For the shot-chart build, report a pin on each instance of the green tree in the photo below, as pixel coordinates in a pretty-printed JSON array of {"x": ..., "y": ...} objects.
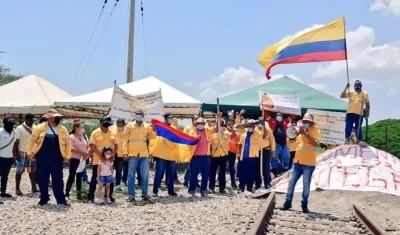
[
  {"x": 377, "y": 136},
  {"x": 6, "y": 76}
]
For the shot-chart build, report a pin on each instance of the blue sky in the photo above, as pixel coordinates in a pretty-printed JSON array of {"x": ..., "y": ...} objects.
[{"x": 204, "y": 48}]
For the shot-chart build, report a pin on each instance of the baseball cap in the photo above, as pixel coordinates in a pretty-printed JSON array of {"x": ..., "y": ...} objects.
[
  {"x": 168, "y": 115},
  {"x": 105, "y": 119}
]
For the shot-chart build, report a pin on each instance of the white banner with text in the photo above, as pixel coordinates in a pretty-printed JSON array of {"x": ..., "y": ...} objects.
[{"x": 288, "y": 104}]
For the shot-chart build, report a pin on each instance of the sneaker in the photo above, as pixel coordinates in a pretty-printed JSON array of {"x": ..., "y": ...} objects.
[
  {"x": 172, "y": 194},
  {"x": 131, "y": 199},
  {"x": 286, "y": 206},
  {"x": 90, "y": 201},
  {"x": 42, "y": 203},
  {"x": 18, "y": 192},
  {"x": 155, "y": 195},
  {"x": 67, "y": 198},
  {"x": 66, "y": 204},
  {"x": 146, "y": 198},
  {"x": 35, "y": 191},
  {"x": 5, "y": 195},
  {"x": 222, "y": 191},
  {"x": 108, "y": 201},
  {"x": 112, "y": 199},
  {"x": 234, "y": 185},
  {"x": 101, "y": 201},
  {"x": 191, "y": 194},
  {"x": 203, "y": 194},
  {"x": 304, "y": 208}
]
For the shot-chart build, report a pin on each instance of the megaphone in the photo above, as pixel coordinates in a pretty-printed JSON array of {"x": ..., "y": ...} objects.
[{"x": 292, "y": 132}]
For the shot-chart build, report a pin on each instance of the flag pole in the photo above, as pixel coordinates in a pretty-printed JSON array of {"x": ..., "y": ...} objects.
[
  {"x": 218, "y": 123},
  {"x": 347, "y": 62}
]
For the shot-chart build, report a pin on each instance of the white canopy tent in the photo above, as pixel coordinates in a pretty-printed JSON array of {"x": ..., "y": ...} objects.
[
  {"x": 175, "y": 101},
  {"x": 31, "y": 94}
]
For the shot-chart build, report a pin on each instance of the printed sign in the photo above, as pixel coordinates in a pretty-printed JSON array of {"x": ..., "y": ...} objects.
[
  {"x": 331, "y": 125},
  {"x": 124, "y": 105},
  {"x": 351, "y": 167},
  {"x": 289, "y": 104}
]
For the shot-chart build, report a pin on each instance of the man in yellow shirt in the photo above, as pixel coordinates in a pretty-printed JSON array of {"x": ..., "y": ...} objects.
[
  {"x": 121, "y": 165},
  {"x": 354, "y": 115},
  {"x": 249, "y": 148},
  {"x": 163, "y": 165},
  {"x": 304, "y": 162},
  {"x": 99, "y": 139},
  {"x": 186, "y": 130},
  {"x": 50, "y": 146},
  {"x": 268, "y": 146},
  {"x": 137, "y": 135}
]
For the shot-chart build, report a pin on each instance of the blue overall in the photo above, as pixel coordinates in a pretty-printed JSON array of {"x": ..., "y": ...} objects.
[{"x": 50, "y": 162}]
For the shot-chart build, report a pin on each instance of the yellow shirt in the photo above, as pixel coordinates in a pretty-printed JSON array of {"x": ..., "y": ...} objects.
[
  {"x": 220, "y": 149},
  {"x": 268, "y": 141},
  {"x": 292, "y": 145},
  {"x": 136, "y": 139},
  {"x": 119, "y": 135},
  {"x": 209, "y": 133},
  {"x": 188, "y": 128},
  {"x": 356, "y": 101},
  {"x": 35, "y": 141},
  {"x": 101, "y": 140},
  {"x": 306, "y": 153},
  {"x": 255, "y": 146}
]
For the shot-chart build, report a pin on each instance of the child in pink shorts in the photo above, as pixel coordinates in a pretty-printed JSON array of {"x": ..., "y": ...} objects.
[{"x": 105, "y": 174}]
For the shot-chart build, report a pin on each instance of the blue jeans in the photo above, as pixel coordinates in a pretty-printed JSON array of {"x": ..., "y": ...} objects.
[
  {"x": 162, "y": 166},
  {"x": 199, "y": 164},
  {"x": 187, "y": 174},
  {"x": 144, "y": 167},
  {"x": 85, "y": 177},
  {"x": 283, "y": 151},
  {"x": 352, "y": 120},
  {"x": 298, "y": 171}
]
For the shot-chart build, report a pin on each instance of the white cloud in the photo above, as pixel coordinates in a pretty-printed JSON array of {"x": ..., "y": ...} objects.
[
  {"x": 187, "y": 84},
  {"x": 386, "y": 6},
  {"x": 319, "y": 86},
  {"x": 235, "y": 79},
  {"x": 393, "y": 91},
  {"x": 363, "y": 56}
]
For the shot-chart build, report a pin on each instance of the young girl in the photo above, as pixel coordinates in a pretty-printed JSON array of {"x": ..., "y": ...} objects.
[{"x": 105, "y": 174}]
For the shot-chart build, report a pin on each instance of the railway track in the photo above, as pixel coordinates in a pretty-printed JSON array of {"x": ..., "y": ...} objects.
[{"x": 275, "y": 221}]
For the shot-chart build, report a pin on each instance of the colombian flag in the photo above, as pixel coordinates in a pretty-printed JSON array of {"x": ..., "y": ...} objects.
[
  {"x": 327, "y": 43},
  {"x": 171, "y": 144}
]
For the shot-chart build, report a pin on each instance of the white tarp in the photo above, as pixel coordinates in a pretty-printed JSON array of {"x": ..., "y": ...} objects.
[
  {"x": 289, "y": 104},
  {"x": 350, "y": 167},
  {"x": 175, "y": 101},
  {"x": 331, "y": 125},
  {"x": 29, "y": 94},
  {"x": 124, "y": 105}
]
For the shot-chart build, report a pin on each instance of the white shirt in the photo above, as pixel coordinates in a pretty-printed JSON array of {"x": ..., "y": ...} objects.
[
  {"x": 22, "y": 135},
  {"x": 6, "y": 138}
]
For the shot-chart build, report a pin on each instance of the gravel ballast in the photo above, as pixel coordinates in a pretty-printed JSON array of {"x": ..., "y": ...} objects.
[
  {"x": 233, "y": 213},
  {"x": 214, "y": 214}
]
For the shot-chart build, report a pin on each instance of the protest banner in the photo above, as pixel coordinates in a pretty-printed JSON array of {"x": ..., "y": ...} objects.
[
  {"x": 288, "y": 104},
  {"x": 331, "y": 125},
  {"x": 350, "y": 167},
  {"x": 124, "y": 105}
]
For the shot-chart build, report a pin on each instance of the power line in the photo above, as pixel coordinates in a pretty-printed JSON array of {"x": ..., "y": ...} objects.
[
  {"x": 97, "y": 43},
  {"x": 87, "y": 45},
  {"x": 144, "y": 37}
]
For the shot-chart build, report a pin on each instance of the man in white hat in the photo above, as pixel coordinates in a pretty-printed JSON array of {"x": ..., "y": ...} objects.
[
  {"x": 50, "y": 145},
  {"x": 304, "y": 162}
]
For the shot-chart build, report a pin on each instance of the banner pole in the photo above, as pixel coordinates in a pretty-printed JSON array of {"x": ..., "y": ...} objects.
[
  {"x": 347, "y": 62},
  {"x": 261, "y": 147},
  {"x": 218, "y": 123}
]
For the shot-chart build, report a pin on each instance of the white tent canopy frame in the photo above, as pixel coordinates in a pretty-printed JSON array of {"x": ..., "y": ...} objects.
[
  {"x": 175, "y": 101},
  {"x": 30, "y": 94}
]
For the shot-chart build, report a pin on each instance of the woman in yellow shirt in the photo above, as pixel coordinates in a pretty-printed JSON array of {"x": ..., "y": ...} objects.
[{"x": 304, "y": 161}]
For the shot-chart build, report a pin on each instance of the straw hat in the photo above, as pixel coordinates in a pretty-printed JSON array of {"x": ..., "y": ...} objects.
[
  {"x": 308, "y": 117},
  {"x": 52, "y": 113}
]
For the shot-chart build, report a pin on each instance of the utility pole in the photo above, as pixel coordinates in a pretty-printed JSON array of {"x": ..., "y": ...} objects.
[{"x": 129, "y": 69}]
